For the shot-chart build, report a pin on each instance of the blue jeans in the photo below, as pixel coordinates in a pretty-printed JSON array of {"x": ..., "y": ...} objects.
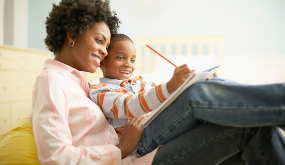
[
  {"x": 211, "y": 144},
  {"x": 220, "y": 102}
]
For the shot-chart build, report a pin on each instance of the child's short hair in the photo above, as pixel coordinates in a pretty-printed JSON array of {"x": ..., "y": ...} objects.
[{"x": 118, "y": 37}]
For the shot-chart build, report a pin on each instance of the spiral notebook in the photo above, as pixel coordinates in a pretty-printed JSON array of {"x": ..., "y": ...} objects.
[{"x": 194, "y": 77}]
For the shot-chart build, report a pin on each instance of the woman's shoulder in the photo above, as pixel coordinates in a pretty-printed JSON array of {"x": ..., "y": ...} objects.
[{"x": 49, "y": 76}]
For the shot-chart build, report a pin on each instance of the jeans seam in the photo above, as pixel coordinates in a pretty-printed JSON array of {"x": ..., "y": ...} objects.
[
  {"x": 261, "y": 153},
  {"x": 199, "y": 146},
  {"x": 234, "y": 107}
]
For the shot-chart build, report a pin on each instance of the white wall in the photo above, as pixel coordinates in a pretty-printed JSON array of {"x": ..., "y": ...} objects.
[
  {"x": 252, "y": 70},
  {"x": 38, "y": 11},
  {"x": 21, "y": 23},
  {"x": 1, "y": 21},
  {"x": 251, "y": 27},
  {"x": 15, "y": 27},
  {"x": 8, "y": 22}
]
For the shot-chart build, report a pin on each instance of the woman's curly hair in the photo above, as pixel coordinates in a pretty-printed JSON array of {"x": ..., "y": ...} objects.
[{"x": 77, "y": 16}]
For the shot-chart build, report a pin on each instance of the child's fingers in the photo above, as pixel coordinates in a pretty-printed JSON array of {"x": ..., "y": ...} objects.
[
  {"x": 209, "y": 78},
  {"x": 186, "y": 72},
  {"x": 212, "y": 76},
  {"x": 184, "y": 66},
  {"x": 183, "y": 69}
]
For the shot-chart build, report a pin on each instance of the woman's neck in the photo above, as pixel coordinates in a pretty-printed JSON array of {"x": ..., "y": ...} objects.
[{"x": 64, "y": 55}]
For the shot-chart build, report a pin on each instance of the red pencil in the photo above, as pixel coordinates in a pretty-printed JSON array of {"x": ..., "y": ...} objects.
[{"x": 161, "y": 55}]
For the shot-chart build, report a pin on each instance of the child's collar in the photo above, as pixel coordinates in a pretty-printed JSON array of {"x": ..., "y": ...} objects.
[{"x": 121, "y": 83}]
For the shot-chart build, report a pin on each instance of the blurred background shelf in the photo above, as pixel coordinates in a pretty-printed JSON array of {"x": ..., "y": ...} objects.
[{"x": 18, "y": 71}]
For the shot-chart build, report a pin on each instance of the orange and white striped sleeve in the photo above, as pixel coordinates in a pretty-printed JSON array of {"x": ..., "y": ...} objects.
[{"x": 119, "y": 103}]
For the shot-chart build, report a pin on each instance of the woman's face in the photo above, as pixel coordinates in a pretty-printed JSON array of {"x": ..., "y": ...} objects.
[{"x": 89, "y": 49}]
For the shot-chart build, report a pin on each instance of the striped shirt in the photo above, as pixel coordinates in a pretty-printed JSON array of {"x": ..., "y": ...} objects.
[
  {"x": 124, "y": 99},
  {"x": 68, "y": 127}
]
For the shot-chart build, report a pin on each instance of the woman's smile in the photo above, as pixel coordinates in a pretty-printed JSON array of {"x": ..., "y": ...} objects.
[{"x": 96, "y": 58}]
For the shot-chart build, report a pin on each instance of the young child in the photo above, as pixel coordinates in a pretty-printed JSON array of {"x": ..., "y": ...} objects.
[
  {"x": 217, "y": 101},
  {"x": 121, "y": 97}
]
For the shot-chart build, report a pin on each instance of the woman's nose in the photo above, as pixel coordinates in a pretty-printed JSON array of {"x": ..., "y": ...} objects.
[{"x": 104, "y": 51}]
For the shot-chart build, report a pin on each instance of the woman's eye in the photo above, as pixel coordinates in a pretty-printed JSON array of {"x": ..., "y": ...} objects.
[
  {"x": 99, "y": 41},
  {"x": 133, "y": 60}
]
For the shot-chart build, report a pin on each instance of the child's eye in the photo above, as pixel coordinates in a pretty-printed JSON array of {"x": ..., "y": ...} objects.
[
  {"x": 120, "y": 57},
  {"x": 133, "y": 60}
]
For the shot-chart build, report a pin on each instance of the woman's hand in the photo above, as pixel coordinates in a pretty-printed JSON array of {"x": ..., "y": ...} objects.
[
  {"x": 131, "y": 135},
  {"x": 180, "y": 74},
  {"x": 214, "y": 75}
]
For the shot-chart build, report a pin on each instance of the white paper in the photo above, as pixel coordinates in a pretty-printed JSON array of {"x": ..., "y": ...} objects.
[{"x": 197, "y": 76}]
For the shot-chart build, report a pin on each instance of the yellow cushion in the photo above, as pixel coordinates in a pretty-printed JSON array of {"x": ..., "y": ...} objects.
[{"x": 18, "y": 146}]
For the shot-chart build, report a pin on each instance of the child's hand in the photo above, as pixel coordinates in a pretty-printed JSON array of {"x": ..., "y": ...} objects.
[
  {"x": 180, "y": 74},
  {"x": 131, "y": 135},
  {"x": 214, "y": 75}
]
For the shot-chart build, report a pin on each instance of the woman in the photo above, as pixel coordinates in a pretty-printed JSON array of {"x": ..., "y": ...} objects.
[{"x": 70, "y": 129}]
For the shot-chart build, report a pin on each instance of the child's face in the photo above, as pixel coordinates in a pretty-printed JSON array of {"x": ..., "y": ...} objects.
[{"x": 120, "y": 62}]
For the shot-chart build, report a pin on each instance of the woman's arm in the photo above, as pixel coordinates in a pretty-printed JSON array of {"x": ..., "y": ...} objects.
[
  {"x": 53, "y": 134},
  {"x": 131, "y": 135}
]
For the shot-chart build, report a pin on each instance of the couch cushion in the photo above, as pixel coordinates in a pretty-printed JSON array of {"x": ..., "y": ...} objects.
[{"x": 18, "y": 145}]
